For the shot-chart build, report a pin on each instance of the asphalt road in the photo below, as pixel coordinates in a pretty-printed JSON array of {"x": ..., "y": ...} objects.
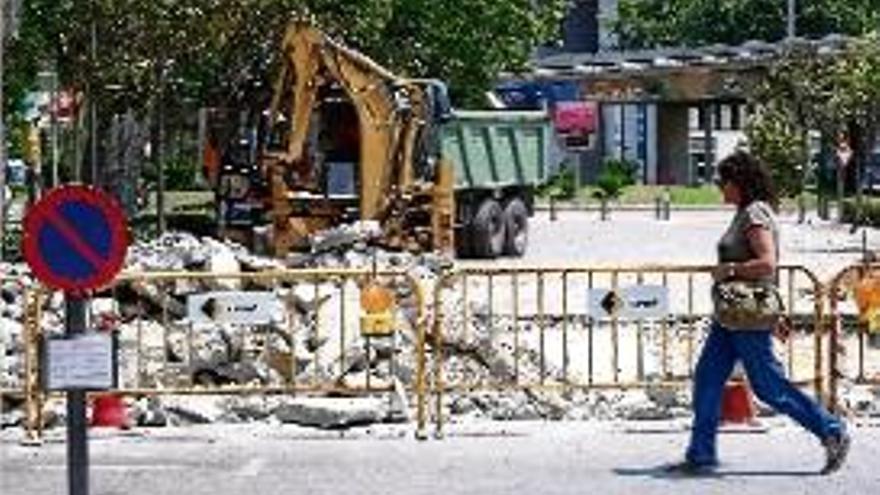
[
  {"x": 635, "y": 237},
  {"x": 489, "y": 458}
]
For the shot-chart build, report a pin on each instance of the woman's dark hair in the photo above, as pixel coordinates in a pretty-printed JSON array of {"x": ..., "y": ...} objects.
[{"x": 750, "y": 176}]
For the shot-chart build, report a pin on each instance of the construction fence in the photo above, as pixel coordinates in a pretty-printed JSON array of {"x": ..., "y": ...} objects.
[
  {"x": 554, "y": 330},
  {"x": 543, "y": 330},
  {"x": 293, "y": 333}
]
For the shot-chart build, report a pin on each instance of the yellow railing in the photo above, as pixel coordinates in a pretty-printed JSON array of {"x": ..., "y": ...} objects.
[
  {"x": 853, "y": 299},
  {"x": 540, "y": 318},
  {"x": 25, "y": 387},
  {"x": 308, "y": 349},
  {"x": 534, "y": 328}
]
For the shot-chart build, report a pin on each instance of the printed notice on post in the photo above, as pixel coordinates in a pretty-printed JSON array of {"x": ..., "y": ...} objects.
[{"x": 80, "y": 362}]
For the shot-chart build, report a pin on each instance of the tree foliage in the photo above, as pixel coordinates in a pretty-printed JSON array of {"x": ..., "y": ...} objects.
[
  {"x": 651, "y": 23},
  {"x": 221, "y": 52},
  {"x": 838, "y": 95}
]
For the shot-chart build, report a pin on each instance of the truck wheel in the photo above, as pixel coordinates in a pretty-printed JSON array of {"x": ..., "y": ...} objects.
[
  {"x": 488, "y": 230},
  {"x": 463, "y": 243},
  {"x": 516, "y": 223}
]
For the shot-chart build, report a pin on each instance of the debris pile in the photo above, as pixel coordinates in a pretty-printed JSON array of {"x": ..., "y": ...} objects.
[{"x": 312, "y": 340}]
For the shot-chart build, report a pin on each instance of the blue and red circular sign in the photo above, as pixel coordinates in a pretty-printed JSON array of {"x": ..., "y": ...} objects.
[{"x": 75, "y": 238}]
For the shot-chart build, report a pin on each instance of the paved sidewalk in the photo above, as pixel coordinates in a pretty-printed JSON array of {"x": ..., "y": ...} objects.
[{"x": 480, "y": 458}]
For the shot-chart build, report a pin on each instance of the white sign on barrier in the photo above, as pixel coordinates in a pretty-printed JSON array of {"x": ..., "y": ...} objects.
[
  {"x": 635, "y": 302},
  {"x": 80, "y": 362},
  {"x": 234, "y": 307}
]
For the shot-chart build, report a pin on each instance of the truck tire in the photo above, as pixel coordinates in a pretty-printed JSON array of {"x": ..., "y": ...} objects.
[
  {"x": 487, "y": 230},
  {"x": 516, "y": 227}
]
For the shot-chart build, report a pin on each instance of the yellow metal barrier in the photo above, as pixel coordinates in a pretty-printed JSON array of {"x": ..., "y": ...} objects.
[
  {"x": 537, "y": 318},
  {"x": 538, "y": 327},
  {"x": 854, "y": 300},
  {"x": 22, "y": 384},
  {"x": 309, "y": 347}
]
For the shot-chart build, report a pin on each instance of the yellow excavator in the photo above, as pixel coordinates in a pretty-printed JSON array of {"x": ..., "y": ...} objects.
[{"x": 346, "y": 140}]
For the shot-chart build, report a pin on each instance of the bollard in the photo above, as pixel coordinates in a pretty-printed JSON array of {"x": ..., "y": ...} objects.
[
  {"x": 802, "y": 208},
  {"x": 552, "y": 208},
  {"x": 667, "y": 205},
  {"x": 662, "y": 205}
]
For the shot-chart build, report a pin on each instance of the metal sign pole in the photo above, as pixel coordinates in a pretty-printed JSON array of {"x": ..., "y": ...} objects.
[{"x": 77, "y": 435}]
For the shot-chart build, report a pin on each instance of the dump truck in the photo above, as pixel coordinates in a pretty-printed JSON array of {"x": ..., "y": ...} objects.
[{"x": 345, "y": 140}]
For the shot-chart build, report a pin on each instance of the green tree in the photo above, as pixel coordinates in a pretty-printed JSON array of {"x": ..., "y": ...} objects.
[
  {"x": 616, "y": 174},
  {"x": 651, "y": 23},
  {"x": 220, "y": 52},
  {"x": 836, "y": 95}
]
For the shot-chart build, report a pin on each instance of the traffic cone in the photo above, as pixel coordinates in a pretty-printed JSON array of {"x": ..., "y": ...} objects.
[
  {"x": 737, "y": 405},
  {"x": 109, "y": 410}
]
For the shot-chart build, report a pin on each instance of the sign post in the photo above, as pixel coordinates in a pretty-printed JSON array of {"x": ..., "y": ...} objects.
[
  {"x": 75, "y": 240},
  {"x": 77, "y": 436}
]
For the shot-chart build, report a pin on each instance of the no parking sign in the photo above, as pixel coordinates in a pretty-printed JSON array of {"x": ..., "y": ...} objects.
[{"x": 75, "y": 238}]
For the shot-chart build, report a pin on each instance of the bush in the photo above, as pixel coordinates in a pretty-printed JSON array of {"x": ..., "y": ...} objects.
[
  {"x": 563, "y": 185},
  {"x": 870, "y": 211},
  {"x": 616, "y": 174}
]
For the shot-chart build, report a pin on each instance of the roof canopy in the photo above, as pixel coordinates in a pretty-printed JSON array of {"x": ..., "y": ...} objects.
[{"x": 674, "y": 74}]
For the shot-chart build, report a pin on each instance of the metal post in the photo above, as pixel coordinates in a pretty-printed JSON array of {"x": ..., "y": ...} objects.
[
  {"x": 667, "y": 202},
  {"x": 3, "y": 198},
  {"x": 54, "y": 129},
  {"x": 77, "y": 435},
  {"x": 791, "y": 29},
  {"x": 160, "y": 152},
  {"x": 825, "y": 157},
  {"x": 841, "y": 187},
  {"x": 708, "y": 109},
  {"x": 93, "y": 114},
  {"x": 622, "y": 131},
  {"x": 200, "y": 176}
]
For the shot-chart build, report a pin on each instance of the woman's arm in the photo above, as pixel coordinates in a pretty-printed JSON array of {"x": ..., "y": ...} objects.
[{"x": 761, "y": 266}]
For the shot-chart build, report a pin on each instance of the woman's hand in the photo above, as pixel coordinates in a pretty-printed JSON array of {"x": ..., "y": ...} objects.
[{"x": 724, "y": 271}]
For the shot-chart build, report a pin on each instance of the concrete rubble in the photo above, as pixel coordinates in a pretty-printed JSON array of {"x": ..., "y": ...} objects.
[{"x": 310, "y": 340}]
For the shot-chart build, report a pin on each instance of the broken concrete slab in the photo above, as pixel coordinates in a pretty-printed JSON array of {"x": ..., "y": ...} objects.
[{"x": 333, "y": 413}]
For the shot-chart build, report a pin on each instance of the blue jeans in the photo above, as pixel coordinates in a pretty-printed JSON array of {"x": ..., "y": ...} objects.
[{"x": 766, "y": 377}]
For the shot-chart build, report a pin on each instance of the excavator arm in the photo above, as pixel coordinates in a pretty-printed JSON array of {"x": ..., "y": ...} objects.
[{"x": 391, "y": 114}]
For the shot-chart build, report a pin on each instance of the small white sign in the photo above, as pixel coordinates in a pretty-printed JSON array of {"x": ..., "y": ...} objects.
[
  {"x": 635, "y": 302},
  {"x": 80, "y": 362},
  {"x": 234, "y": 307}
]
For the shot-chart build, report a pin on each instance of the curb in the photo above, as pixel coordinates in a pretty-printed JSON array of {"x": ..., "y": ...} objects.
[{"x": 634, "y": 207}]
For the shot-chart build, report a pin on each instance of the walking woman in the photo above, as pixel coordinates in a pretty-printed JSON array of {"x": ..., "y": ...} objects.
[{"x": 748, "y": 252}]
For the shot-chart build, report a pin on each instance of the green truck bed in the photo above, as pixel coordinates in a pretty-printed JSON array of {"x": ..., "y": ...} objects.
[{"x": 501, "y": 148}]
